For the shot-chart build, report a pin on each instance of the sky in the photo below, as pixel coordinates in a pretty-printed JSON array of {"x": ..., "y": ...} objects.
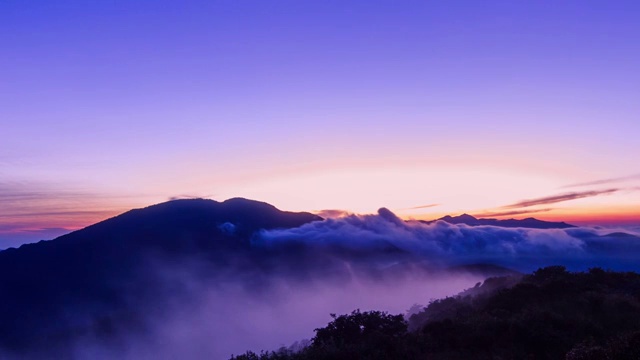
[{"x": 493, "y": 108}]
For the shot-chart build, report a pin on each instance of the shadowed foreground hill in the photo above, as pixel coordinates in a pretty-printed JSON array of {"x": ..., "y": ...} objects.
[
  {"x": 551, "y": 314},
  {"x": 54, "y": 291}
]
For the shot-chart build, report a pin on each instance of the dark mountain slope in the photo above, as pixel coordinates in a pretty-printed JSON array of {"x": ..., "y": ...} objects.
[
  {"x": 50, "y": 287},
  {"x": 183, "y": 222}
]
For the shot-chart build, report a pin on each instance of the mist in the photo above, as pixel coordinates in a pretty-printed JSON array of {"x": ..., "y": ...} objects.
[{"x": 224, "y": 315}]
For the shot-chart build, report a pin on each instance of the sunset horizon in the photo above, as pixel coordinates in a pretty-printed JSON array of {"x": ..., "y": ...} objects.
[
  {"x": 319, "y": 106},
  {"x": 308, "y": 180},
  {"x": 63, "y": 222}
]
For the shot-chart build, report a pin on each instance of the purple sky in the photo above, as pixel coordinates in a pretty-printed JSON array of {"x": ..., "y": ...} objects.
[{"x": 313, "y": 105}]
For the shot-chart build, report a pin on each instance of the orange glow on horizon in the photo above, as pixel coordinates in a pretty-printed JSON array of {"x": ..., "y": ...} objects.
[
  {"x": 596, "y": 216},
  {"x": 612, "y": 215}
]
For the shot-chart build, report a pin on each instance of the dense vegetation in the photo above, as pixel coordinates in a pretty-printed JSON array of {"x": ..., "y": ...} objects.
[{"x": 550, "y": 314}]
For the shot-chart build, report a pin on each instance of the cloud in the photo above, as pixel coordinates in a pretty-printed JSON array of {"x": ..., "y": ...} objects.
[
  {"x": 443, "y": 244},
  {"x": 15, "y": 193},
  {"x": 187, "y": 196},
  {"x": 30, "y": 206},
  {"x": 605, "y": 181},
  {"x": 510, "y": 213},
  {"x": 422, "y": 207},
  {"x": 559, "y": 198},
  {"x": 22, "y": 227},
  {"x": 24, "y": 193},
  {"x": 64, "y": 213},
  {"x": 332, "y": 213}
]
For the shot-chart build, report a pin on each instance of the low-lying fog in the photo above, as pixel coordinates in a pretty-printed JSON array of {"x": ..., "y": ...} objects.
[{"x": 224, "y": 319}]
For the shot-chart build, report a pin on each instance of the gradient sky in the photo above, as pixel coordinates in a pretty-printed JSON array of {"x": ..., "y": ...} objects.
[{"x": 425, "y": 107}]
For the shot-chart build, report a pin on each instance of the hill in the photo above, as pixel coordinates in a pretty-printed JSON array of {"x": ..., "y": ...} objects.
[{"x": 550, "y": 314}]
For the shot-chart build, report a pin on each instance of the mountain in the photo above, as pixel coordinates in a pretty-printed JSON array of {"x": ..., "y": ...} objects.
[
  {"x": 52, "y": 290},
  {"x": 509, "y": 223}
]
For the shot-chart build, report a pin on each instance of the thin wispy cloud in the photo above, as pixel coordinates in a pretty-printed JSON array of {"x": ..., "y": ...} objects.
[
  {"x": 34, "y": 206},
  {"x": 559, "y": 198},
  {"x": 26, "y": 227},
  {"x": 62, "y": 213},
  {"x": 605, "y": 181},
  {"x": 510, "y": 213},
  {"x": 190, "y": 196},
  {"x": 20, "y": 193},
  {"x": 421, "y": 207}
]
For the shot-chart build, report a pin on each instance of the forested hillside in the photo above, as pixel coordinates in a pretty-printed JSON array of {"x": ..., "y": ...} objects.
[{"x": 550, "y": 314}]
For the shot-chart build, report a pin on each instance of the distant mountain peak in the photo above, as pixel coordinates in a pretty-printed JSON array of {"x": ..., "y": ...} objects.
[
  {"x": 511, "y": 223},
  {"x": 466, "y": 216},
  {"x": 461, "y": 219}
]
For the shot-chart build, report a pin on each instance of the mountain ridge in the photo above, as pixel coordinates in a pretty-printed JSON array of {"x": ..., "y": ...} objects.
[{"x": 529, "y": 222}]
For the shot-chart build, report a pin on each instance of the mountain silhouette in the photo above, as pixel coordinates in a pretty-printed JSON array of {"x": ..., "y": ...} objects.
[
  {"x": 97, "y": 270},
  {"x": 509, "y": 223}
]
